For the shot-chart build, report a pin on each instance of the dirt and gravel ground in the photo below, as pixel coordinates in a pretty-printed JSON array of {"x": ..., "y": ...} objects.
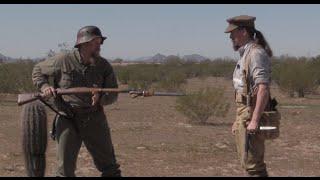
[{"x": 152, "y": 139}]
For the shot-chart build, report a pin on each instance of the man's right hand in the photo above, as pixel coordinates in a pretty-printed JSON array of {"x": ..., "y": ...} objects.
[{"x": 49, "y": 92}]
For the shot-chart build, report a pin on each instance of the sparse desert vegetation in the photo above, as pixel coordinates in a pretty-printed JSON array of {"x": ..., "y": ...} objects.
[{"x": 152, "y": 138}]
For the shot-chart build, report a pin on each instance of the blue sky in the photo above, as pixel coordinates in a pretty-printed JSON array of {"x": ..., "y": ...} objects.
[{"x": 138, "y": 30}]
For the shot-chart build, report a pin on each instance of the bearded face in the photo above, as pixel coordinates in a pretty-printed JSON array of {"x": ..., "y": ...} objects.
[
  {"x": 96, "y": 53},
  {"x": 235, "y": 46},
  {"x": 91, "y": 50},
  {"x": 94, "y": 47},
  {"x": 238, "y": 38}
]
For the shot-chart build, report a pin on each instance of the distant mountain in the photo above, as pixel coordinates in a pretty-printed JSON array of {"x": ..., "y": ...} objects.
[
  {"x": 143, "y": 58},
  {"x": 38, "y": 58},
  {"x": 159, "y": 58},
  {"x": 194, "y": 57},
  {"x": 5, "y": 58},
  {"x": 156, "y": 58}
]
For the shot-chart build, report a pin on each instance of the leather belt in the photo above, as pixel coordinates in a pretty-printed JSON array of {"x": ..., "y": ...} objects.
[
  {"x": 241, "y": 98},
  {"x": 85, "y": 110}
]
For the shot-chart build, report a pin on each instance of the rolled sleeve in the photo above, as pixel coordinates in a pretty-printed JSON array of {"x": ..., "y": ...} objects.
[
  {"x": 42, "y": 71},
  {"x": 260, "y": 67}
]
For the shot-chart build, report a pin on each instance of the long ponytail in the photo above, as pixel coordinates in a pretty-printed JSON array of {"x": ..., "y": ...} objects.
[{"x": 259, "y": 39}]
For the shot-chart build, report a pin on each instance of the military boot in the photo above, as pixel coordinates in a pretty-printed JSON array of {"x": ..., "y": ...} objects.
[
  {"x": 113, "y": 171},
  {"x": 258, "y": 174}
]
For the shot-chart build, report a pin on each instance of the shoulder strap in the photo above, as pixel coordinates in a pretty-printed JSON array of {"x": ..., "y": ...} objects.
[{"x": 246, "y": 72}]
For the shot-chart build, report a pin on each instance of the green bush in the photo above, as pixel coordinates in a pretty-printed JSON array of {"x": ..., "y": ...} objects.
[
  {"x": 16, "y": 77},
  {"x": 142, "y": 76},
  {"x": 222, "y": 68},
  {"x": 314, "y": 67},
  {"x": 295, "y": 75},
  {"x": 203, "y": 104},
  {"x": 172, "y": 74},
  {"x": 172, "y": 81},
  {"x": 123, "y": 74}
]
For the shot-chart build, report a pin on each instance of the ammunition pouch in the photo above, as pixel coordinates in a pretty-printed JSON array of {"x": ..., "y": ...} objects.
[
  {"x": 64, "y": 108},
  {"x": 271, "y": 117}
]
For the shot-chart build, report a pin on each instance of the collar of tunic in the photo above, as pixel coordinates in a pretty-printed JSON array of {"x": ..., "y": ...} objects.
[{"x": 79, "y": 59}]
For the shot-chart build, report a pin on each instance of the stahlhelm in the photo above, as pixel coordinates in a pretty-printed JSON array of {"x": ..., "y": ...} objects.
[{"x": 88, "y": 33}]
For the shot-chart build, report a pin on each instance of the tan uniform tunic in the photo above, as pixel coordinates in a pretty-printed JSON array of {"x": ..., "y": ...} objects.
[{"x": 260, "y": 72}]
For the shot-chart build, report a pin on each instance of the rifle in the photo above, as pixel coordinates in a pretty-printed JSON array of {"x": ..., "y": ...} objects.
[{"x": 29, "y": 97}]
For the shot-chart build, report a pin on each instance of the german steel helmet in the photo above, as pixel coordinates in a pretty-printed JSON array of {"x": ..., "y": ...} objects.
[{"x": 88, "y": 33}]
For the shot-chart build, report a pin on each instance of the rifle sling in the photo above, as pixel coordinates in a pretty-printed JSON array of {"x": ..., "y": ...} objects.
[
  {"x": 48, "y": 105},
  {"x": 57, "y": 112}
]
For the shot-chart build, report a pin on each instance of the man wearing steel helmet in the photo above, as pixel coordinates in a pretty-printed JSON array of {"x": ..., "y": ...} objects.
[
  {"x": 81, "y": 117},
  {"x": 251, "y": 80}
]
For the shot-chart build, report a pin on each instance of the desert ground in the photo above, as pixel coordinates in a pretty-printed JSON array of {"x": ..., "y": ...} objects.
[{"x": 152, "y": 139}]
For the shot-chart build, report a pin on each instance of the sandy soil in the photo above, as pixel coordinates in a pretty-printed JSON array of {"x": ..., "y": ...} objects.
[{"x": 152, "y": 139}]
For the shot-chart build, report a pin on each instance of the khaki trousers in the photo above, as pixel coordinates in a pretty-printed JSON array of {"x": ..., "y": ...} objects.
[
  {"x": 94, "y": 132},
  {"x": 253, "y": 162}
]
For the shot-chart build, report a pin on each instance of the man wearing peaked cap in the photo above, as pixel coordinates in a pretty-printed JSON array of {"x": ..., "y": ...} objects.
[
  {"x": 240, "y": 21},
  {"x": 251, "y": 80}
]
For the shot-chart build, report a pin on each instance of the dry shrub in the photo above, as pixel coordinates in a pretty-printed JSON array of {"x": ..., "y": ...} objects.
[{"x": 203, "y": 104}]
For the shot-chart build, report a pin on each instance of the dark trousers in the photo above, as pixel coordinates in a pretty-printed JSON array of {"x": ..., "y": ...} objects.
[{"x": 91, "y": 129}]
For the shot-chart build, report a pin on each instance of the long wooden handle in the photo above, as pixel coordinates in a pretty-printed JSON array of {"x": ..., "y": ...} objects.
[
  {"x": 83, "y": 90},
  {"x": 27, "y": 98}
]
